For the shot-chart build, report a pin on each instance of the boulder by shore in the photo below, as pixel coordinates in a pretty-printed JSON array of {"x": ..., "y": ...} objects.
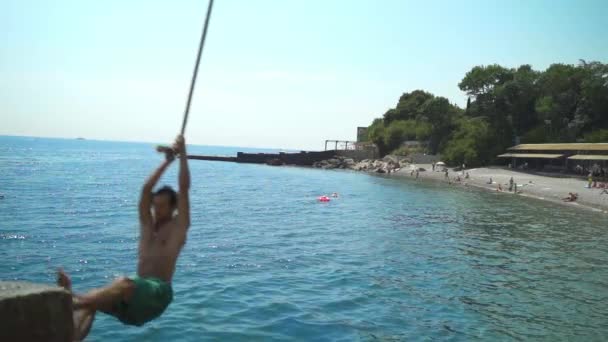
[{"x": 388, "y": 164}]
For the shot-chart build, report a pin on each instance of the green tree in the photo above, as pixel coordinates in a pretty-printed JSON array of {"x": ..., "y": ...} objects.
[
  {"x": 394, "y": 134},
  {"x": 516, "y": 100},
  {"x": 391, "y": 115},
  {"x": 410, "y": 103},
  {"x": 488, "y": 85},
  {"x": 423, "y": 130},
  {"x": 469, "y": 144},
  {"x": 397, "y": 132},
  {"x": 483, "y": 79},
  {"x": 438, "y": 114},
  {"x": 408, "y": 106},
  {"x": 505, "y": 105},
  {"x": 592, "y": 109},
  {"x": 536, "y": 135},
  {"x": 375, "y": 133},
  {"x": 597, "y": 136},
  {"x": 560, "y": 87}
]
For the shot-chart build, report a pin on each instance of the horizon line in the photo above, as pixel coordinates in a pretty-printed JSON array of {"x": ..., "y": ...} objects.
[{"x": 142, "y": 142}]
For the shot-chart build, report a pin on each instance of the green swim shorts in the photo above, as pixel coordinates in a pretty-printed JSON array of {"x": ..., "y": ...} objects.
[{"x": 150, "y": 299}]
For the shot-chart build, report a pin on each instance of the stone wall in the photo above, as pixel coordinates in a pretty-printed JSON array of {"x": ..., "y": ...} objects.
[
  {"x": 302, "y": 158},
  {"x": 358, "y": 155},
  {"x": 420, "y": 158},
  {"x": 305, "y": 158},
  {"x": 34, "y": 312}
]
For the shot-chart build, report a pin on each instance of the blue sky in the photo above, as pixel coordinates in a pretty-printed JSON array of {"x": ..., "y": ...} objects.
[{"x": 274, "y": 73}]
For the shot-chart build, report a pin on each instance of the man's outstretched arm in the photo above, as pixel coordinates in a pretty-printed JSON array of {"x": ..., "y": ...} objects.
[
  {"x": 145, "y": 201},
  {"x": 183, "y": 202}
]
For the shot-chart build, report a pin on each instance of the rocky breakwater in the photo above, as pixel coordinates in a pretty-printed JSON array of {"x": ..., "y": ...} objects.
[{"x": 387, "y": 164}]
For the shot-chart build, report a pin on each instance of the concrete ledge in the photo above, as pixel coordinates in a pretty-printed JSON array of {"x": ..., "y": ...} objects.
[{"x": 35, "y": 312}]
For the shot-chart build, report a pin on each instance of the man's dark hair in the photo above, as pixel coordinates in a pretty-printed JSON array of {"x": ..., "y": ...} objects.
[{"x": 167, "y": 190}]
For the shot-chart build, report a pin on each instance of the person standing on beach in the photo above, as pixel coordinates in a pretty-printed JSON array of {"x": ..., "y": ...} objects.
[
  {"x": 446, "y": 174},
  {"x": 417, "y": 173},
  {"x": 433, "y": 166},
  {"x": 144, "y": 297},
  {"x": 511, "y": 184}
]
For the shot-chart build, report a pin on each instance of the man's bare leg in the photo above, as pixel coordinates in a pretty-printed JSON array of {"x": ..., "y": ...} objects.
[
  {"x": 83, "y": 318},
  {"x": 106, "y": 298},
  {"x": 103, "y": 299}
]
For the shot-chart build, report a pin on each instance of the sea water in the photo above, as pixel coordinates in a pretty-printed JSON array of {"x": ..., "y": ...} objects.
[{"x": 390, "y": 259}]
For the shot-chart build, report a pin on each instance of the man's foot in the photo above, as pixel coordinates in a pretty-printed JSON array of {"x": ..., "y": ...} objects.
[{"x": 64, "y": 280}]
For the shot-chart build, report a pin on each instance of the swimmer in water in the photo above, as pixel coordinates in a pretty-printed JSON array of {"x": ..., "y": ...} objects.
[
  {"x": 572, "y": 197},
  {"x": 142, "y": 298},
  {"x": 323, "y": 198},
  {"x": 334, "y": 195}
]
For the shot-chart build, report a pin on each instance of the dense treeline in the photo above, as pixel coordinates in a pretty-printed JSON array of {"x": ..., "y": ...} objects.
[{"x": 565, "y": 103}]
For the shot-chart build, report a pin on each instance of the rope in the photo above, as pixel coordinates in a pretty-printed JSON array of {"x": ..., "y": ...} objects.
[{"x": 198, "y": 61}]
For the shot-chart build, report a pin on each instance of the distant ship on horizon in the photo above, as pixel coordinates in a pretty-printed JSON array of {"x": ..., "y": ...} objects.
[{"x": 80, "y": 138}]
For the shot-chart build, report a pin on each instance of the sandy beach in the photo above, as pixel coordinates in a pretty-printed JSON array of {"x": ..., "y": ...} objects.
[{"x": 552, "y": 189}]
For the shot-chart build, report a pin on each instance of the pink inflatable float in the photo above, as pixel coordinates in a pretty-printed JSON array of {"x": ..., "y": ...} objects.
[{"x": 324, "y": 199}]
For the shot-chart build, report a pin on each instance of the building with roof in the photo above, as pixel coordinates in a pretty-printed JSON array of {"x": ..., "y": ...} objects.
[
  {"x": 559, "y": 157},
  {"x": 362, "y": 134}
]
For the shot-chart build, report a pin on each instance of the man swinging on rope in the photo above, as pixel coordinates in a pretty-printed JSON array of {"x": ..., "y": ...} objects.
[{"x": 144, "y": 297}]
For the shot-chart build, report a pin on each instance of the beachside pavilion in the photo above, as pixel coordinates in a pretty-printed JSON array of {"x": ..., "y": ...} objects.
[{"x": 559, "y": 157}]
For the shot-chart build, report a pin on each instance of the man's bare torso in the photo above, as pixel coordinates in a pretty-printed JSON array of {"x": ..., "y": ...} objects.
[{"x": 159, "y": 249}]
